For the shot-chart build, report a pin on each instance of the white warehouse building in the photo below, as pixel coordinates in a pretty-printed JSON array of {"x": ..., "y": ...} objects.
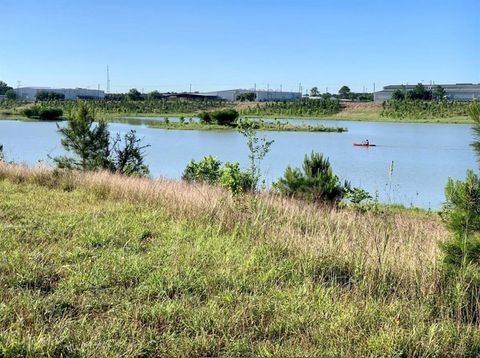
[
  {"x": 261, "y": 95},
  {"x": 456, "y": 92},
  {"x": 29, "y": 93}
]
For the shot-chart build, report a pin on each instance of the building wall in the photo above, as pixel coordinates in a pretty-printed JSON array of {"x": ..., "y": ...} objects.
[
  {"x": 29, "y": 93},
  {"x": 262, "y": 96},
  {"x": 459, "y": 92}
]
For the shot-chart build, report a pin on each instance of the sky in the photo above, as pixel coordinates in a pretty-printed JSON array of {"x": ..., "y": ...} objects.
[{"x": 170, "y": 45}]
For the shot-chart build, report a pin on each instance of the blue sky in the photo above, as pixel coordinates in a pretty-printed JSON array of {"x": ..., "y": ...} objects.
[{"x": 214, "y": 44}]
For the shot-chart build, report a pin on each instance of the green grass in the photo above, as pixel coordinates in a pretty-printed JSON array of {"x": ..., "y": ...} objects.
[{"x": 91, "y": 267}]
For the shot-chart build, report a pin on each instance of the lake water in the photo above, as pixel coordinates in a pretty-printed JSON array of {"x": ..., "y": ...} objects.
[{"x": 424, "y": 155}]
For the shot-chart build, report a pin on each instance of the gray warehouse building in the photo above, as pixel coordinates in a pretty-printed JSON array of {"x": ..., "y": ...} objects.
[
  {"x": 457, "y": 92},
  {"x": 29, "y": 93},
  {"x": 261, "y": 95}
]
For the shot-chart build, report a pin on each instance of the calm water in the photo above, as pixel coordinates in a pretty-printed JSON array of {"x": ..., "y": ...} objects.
[{"x": 424, "y": 155}]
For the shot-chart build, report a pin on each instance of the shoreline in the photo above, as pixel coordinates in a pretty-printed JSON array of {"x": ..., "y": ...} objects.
[{"x": 348, "y": 117}]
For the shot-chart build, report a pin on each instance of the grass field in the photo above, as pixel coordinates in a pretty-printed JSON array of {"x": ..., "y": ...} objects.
[{"x": 102, "y": 265}]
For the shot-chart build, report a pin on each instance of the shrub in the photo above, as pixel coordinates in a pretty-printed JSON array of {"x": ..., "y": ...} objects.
[
  {"x": 44, "y": 113},
  {"x": 50, "y": 113},
  {"x": 206, "y": 170},
  {"x": 209, "y": 170},
  {"x": 31, "y": 112},
  {"x": 226, "y": 117},
  {"x": 232, "y": 178},
  {"x": 357, "y": 195},
  {"x": 316, "y": 182},
  {"x": 205, "y": 117}
]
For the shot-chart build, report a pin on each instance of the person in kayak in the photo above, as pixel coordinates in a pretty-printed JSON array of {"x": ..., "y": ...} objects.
[{"x": 366, "y": 142}]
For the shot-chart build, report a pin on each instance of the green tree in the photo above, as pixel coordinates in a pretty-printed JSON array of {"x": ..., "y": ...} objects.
[
  {"x": 225, "y": 117},
  {"x": 2, "y": 154},
  {"x": 474, "y": 112},
  {"x": 344, "y": 92},
  {"x": 129, "y": 158},
  {"x": 93, "y": 149},
  {"x": 314, "y": 92},
  {"x": 398, "y": 95},
  {"x": 246, "y": 96},
  {"x": 4, "y": 88},
  {"x": 316, "y": 182},
  {"x": 461, "y": 252},
  {"x": 258, "y": 148},
  {"x": 49, "y": 96},
  {"x": 10, "y": 94},
  {"x": 419, "y": 93},
  {"x": 89, "y": 141},
  {"x": 205, "y": 171},
  {"x": 135, "y": 95},
  {"x": 155, "y": 95},
  {"x": 205, "y": 117},
  {"x": 438, "y": 93}
]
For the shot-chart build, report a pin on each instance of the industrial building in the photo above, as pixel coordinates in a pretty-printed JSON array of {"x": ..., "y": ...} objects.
[
  {"x": 29, "y": 93},
  {"x": 261, "y": 95},
  {"x": 457, "y": 92}
]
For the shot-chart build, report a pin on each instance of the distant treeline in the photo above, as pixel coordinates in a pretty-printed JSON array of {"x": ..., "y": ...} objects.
[
  {"x": 161, "y": 106},
  {"x": 422, "y": 109},
  {"x": 343, "y": 93},
  {"x": 305, "y": 107}
]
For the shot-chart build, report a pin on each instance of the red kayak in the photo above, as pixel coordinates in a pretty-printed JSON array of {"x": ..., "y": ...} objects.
[{"x": 364, "y": 145}]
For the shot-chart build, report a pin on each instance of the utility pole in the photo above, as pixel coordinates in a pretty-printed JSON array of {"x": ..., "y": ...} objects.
[
  {"x": 280, "y": 88},
  {"x": 190, "y": 88},
  {"x": 300, "y": 89},
  {"x": 108, "y": 79}
]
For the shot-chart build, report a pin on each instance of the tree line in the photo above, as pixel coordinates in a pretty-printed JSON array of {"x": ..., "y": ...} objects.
[{"x": 344, "y": 93}]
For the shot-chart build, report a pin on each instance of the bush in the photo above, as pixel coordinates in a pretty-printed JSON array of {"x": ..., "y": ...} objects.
[
  {"x": 357, "y": 195},
  {"x": 226, "y": 117},
  {"x": 232, "y": 178},
  {"x": 205, "y": 118},
  {"x": 461, "y": 212},
  {"x": 205, "y": 171},
  {"x": 50, "y": 113},
  {"x": 31, "y": 112},
  {"x": 209, "y": 170},
  {"x": 317, "y": 181},
  {"x": 43, "y": 113}
]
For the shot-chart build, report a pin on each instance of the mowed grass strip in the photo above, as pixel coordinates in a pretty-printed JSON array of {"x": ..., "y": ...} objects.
[{"x": 88, "y": 274}]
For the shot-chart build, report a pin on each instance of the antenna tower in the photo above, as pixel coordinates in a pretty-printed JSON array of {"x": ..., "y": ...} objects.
[{"x": 108, "y": 79}]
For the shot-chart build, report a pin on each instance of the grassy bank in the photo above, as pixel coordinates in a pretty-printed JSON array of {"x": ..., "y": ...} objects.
[
  {"x": 102, "y": 265},
  {"x": 354, "y": 111},
  {"x": 261, "y": 126}
]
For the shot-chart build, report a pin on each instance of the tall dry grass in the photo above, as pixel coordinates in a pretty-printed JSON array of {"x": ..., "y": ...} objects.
[{"x": 388, "y": 253}]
